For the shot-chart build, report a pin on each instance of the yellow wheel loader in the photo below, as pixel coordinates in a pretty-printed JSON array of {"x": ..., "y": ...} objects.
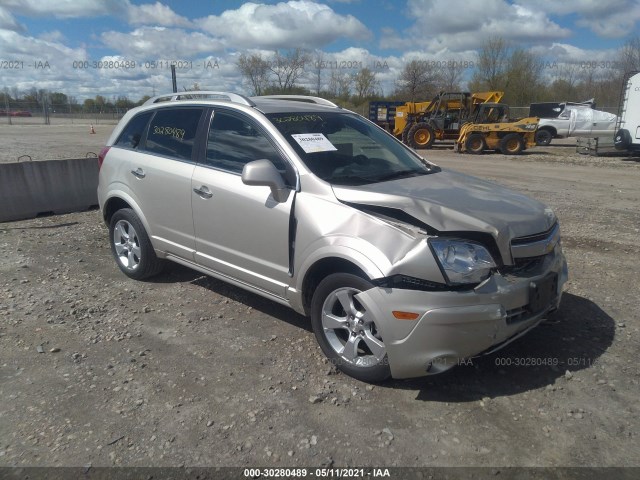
[
  {"x": 419, "y": 124},
  {"x": 491, "y": 129}
]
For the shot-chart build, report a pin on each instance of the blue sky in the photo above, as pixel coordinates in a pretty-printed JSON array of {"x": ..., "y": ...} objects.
[{"x": 348, "y": 33}]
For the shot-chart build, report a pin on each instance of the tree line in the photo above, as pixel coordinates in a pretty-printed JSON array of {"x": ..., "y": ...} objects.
[
  {"x": 58, "y": 102},
  {"x": 524, "y": 77}
]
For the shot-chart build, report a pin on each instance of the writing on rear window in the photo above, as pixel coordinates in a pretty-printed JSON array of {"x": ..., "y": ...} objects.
[{"x": 171, "y": 131}]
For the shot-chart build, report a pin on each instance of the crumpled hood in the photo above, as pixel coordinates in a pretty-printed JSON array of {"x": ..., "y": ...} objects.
[{"x": 452, "y": 201}]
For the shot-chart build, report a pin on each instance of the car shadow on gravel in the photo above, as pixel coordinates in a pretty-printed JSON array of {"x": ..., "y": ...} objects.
[
  {"x": 574, "y": 339},
  {"x": 175, "y": 273}
]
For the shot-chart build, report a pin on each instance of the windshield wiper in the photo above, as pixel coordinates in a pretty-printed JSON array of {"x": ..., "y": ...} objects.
[
  {"x": 351, "y": 180},
  {"x": 400, "y": 174}
]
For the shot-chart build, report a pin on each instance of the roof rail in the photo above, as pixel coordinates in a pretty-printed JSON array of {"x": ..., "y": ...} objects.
[
  {"x": 201, "y": 95},
  {"x": 302, "y": 98}
]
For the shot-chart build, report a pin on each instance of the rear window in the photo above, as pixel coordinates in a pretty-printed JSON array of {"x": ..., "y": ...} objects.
[
  {"x": 172, "y": 132},
  {"x": 134, "y": 130}
]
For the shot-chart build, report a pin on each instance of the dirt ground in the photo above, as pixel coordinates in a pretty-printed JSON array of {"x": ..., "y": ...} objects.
[
  {"x": 184, "y": 370},
  {"x": 51, "y": 142}
]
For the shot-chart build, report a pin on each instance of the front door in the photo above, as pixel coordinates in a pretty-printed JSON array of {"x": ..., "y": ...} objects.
[{"x": 241, "y": 231}]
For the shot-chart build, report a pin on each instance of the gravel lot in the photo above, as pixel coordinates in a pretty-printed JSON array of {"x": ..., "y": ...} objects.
[
  {"x": 97, "y": 369},
  {"x": 51, "y": 142}
]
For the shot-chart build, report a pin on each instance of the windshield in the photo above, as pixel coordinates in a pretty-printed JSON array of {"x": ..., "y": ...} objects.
[{"x": 344, "y": 149}]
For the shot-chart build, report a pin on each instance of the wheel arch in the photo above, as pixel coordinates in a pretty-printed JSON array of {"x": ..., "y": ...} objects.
[
  {"x": 111, "y": 206},
  {"x": 119, "y": 201},
  {"x": 550, "y": 129},
  {"x": 327, "y": 265}
]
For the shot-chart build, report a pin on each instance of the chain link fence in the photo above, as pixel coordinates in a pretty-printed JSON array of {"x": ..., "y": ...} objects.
[{"x": 20, "y": 112}]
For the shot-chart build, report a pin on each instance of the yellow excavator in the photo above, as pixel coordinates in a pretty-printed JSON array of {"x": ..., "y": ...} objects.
[{"x": 419, "y": 124}]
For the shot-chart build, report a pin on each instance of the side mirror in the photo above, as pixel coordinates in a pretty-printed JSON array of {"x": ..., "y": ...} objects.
[{"x": 264, "y": 173}]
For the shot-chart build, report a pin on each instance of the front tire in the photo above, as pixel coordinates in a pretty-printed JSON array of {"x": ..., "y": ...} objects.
[
  {"x": 346, "y": 331},
  {"x": 475, "y": 144},
  {"x": 512, "y": 144},
  {"x": 421, "y": 136},
  {"x": 131, "y": 246},
  {"x": 405, "y": 133}
]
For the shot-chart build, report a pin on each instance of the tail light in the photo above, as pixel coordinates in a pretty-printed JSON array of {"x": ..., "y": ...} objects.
[{"x": 101, "y": 155}]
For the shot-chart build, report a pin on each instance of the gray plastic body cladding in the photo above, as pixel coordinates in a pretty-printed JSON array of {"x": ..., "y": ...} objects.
[{"x": 454, "y": 326}]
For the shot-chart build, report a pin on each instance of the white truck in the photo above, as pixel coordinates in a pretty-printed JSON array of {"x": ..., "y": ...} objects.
[
  {"x": 576, "y": 120},
  {"x": 627, "y": 135}
]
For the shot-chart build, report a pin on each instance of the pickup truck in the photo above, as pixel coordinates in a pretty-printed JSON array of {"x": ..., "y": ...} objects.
[{"x": 576, "y": 121}]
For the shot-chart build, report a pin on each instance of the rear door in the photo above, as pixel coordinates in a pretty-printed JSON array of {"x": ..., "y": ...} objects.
[
  {"x": 241, "y": 231},
  {"x": 159, "y": 172},
  {"x": 603, "y": 124}
]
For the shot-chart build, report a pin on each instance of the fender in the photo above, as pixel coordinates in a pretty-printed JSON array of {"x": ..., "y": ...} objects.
[{"x": 123, "y": 194}]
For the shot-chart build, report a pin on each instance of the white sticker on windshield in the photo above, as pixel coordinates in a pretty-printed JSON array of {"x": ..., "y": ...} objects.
[{"x": 313, "y": 142}]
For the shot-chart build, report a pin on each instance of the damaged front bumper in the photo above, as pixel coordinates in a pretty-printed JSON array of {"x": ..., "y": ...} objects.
[{"x": 456, "y": 325}]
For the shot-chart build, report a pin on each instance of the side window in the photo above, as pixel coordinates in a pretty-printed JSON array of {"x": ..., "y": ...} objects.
[
  {"x": 172, "y": 132},
  {"x": 234, "y": 141},
  {"x": 134, "y": 130}
]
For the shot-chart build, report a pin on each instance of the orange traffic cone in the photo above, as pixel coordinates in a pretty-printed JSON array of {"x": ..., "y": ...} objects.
[{"x": 92, "y": 130}]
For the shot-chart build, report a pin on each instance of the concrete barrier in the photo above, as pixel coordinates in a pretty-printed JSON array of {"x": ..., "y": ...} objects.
[{"x": 29, "y": 189}]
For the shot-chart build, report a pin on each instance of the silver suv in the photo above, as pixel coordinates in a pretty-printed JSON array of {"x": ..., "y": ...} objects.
[{"x": 404, "y": 268}]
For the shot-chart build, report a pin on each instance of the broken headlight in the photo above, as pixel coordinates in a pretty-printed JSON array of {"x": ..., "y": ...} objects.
[{"x": 462, "y": 261}]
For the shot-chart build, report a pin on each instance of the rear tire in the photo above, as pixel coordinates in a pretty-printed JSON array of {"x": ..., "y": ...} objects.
[
  {"x": 345, "y": 331},
  {"x": 543, "y": 137},
  {"x": 512, "y": 144},
  {"x": 131, "y": 246},
  {"x": 405, "y": 133},
  {"x": 475, "y": 144},
  {"x": 421, "y": 136}
]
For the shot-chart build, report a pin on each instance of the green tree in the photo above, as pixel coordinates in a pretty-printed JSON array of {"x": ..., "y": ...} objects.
[
  {"x": 523, "y": 78},
  {"x": 89, "y": 105}
]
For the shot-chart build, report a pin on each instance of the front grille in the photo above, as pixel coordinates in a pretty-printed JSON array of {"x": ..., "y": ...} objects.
[
  {"x": 524, "y": 266},
  {"x": 537, "y": 245},
  {"x": 538, "y": 237},
  {"x": 410, "y": 283}
]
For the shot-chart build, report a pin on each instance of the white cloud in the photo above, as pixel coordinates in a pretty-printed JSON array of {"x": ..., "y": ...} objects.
[
  {"x": 146, "y": 14},
  {"x": 160, "y": 43},
  {"x": 299, "y": 23},
  {"x": 570, "y": 54},
  {"x": 156, "y": 14},
  {"x": 44, "y": 63},
  {"x": 7, "y": 22},
  {"x": 613, "y": 25},
  {"x": 14, "y": 43},
  {"x": 55, "y": 36},
  {"x": 66, "y": 8},
  {"x": 461, "y": 25},
  {"x": 607, "y": 18}
]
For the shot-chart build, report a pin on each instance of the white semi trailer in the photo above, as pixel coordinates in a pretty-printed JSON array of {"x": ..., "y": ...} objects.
[{"x": 627, "y": 135}]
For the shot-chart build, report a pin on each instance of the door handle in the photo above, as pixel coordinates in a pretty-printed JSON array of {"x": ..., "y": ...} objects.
[
  {"x": 139, "y": 173},
  {"x": 203, "y": 192}
]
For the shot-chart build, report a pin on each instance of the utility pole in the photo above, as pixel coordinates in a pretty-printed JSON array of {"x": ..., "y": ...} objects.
[
  {"x": 6, "y": 103},
  {"x": 173, "y": 79}
]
